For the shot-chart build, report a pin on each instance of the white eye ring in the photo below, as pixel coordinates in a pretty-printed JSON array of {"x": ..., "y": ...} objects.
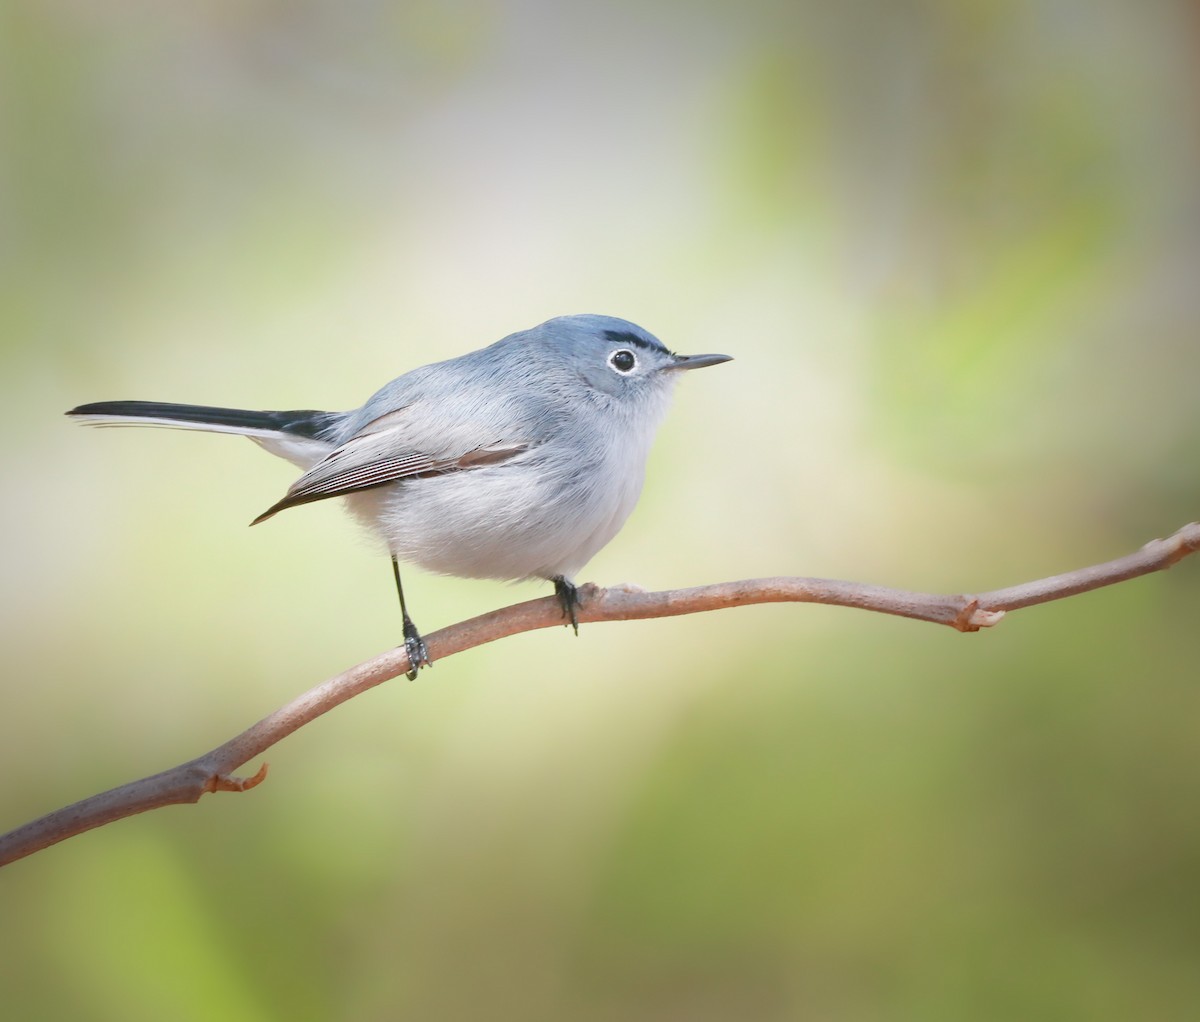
[{"x": 623, "y": 361}]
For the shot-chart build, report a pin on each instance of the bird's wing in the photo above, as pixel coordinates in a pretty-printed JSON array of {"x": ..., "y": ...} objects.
[{"x": 387, "y": 450}]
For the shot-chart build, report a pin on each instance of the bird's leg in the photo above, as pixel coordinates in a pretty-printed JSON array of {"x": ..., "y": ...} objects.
[
  {"x": 568, "y": 596},
  {"x": 414, "y": 645}
]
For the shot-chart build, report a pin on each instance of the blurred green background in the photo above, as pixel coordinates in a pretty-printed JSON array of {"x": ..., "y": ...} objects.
[{"x": 955, "y": 249}]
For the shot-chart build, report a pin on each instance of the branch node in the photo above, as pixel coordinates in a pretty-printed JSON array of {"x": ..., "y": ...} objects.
[
  {"x": 631, "y": 588},
  {"x": 227, "y": 782},
  {"x": 972, "y": 617},
  {"x": 987, "y": 618},
  {"x": 1185, "y": 541}
]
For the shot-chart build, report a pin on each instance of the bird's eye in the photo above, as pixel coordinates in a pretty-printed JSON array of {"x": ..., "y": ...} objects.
[{"x": 622, "y": 361}]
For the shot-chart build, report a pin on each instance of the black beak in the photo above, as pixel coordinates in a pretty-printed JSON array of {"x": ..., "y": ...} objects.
[{"x": 698, "y": 361}]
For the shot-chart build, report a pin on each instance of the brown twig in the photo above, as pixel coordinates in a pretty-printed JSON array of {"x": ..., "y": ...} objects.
[{"x": 213, "y": 771}]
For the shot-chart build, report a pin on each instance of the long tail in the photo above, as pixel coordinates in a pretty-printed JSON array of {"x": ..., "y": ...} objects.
[{"x": 303, "y": 437}]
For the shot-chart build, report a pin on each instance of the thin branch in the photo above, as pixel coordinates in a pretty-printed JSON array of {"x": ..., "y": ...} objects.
[{"x": 213, "y": 771}]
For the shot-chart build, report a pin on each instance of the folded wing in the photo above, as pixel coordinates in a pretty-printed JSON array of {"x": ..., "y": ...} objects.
[{"x": 387, "y": 451}]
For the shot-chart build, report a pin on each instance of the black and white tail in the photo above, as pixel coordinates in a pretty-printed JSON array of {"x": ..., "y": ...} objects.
[{"x": 303, "y": 437}]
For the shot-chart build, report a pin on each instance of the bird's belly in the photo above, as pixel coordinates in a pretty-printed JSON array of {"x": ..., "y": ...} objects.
[{"x": 503, "y": 522}]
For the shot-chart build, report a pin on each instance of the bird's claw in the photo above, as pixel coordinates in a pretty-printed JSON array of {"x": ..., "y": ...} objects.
[
  {"x": 568, "y": 598},
  {"x": 418, "y": 652}
]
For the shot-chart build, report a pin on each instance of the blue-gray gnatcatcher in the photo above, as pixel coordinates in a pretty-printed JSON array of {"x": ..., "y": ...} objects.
[{"x": 520, "y": 460}]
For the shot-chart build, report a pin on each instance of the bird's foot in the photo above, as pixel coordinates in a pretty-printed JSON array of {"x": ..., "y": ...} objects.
[
  {"x": 414, "y": 646},
  {"x": 568, "y": 597}
]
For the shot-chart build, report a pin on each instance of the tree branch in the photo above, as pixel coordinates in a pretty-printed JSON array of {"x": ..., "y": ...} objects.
[{"x": 213, "y": 771}]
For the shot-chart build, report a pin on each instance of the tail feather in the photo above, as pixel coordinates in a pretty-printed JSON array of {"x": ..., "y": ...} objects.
[
  {"x": 301, "y": 437},
  {"x": 309, "y": 424}
]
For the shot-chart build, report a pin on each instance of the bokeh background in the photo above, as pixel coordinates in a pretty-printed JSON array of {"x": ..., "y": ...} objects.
[{"x": 955, "y": 249}]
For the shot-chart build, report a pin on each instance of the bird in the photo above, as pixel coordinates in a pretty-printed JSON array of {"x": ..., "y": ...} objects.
[{"x": 520, "y": 460}]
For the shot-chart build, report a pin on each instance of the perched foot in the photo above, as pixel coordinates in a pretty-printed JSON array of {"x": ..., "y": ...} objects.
[
  {"x": 568, "y": 596},
  {"x": 414, "y": 646}
]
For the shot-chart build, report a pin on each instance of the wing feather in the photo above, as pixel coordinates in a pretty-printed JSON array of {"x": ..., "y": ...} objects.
[{"x": 384, "y": 452}]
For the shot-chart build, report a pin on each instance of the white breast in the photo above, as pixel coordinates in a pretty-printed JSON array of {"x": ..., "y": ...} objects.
[{"x": 544, "y": 513}]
